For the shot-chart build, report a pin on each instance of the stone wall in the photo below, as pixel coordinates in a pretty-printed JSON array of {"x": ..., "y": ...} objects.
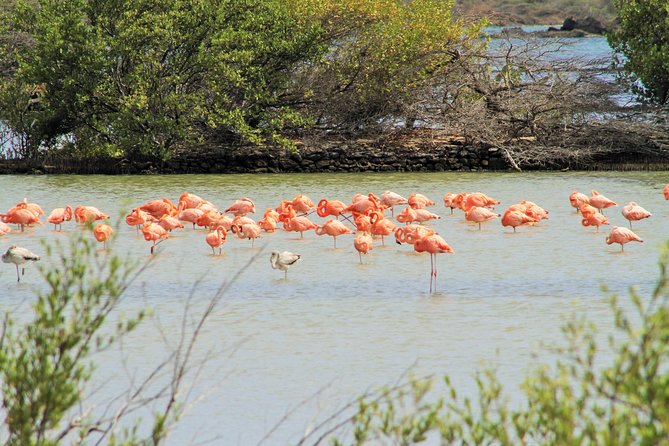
[{"x": 331, "y": 157}]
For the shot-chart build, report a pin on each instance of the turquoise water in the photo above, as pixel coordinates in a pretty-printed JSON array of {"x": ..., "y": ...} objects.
[{"x": 294, "y": 351}]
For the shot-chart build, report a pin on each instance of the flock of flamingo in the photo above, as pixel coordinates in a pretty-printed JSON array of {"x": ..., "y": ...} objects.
[{"x": 365, "y": 216}]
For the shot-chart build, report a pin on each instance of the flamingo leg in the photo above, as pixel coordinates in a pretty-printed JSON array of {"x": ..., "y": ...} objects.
[
  {"x": 335, "y": 242},
  {"x": 213, "y": 250},
  {"x": 360, "y": 255},
  {"x": 434, "y": 273},
  {"x": 285, "y": 274},
  {"x": 479, "y": 226},
  {"x": 431, "y": 269},
  {"x": 18, "y": 277}
]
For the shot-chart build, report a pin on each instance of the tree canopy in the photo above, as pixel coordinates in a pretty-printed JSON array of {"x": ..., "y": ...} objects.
[
  {"x": 643, "y": 40},
  {"x": 146, "y": 77}
]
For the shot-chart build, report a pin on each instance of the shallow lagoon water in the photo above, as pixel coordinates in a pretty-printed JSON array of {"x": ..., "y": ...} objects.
[{"x": 294, "y": 351}]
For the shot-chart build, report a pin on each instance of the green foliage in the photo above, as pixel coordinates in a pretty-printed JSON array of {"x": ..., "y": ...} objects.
[
  {"x": 44, "y": 363},
  {"x": 581, "y": 400},
  {"x": 641, "y": 39},
  {"x": 146, "y": 77}
]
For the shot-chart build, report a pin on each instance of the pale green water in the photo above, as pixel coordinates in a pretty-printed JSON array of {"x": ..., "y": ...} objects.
[{"x": 338, "y": 327}]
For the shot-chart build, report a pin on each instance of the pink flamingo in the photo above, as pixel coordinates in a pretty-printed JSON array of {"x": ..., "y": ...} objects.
[
  {"x": 595, "y": 219},
  {"x": 363, "y": 244},
  {"x": 600, "y": 201},
  {"x": 419, "y": 201},
  {"x": 634, "y": 212},
  {"x": 216, "y": 239},
  {"x": 516, "y": 218},
  {"x": 576, "y": 199},
  {"x": 242, "y": 207},
  {"x": 433, "y": 244},
  {"x": 249, "y": 231},
  {"x": 59, "y": 215},
  {"x": 155, "y": 233},
  {"x": 622, "y": 235},
  {"x": 389, "y": 199},
  {"x": 333, "y": 228},
  {"x": 479, "y": 215},
  {"x": 102, "y": 233}
]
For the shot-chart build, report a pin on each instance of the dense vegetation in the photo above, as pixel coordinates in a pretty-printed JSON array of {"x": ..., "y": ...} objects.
[
  {"x": 139, "y": 76},
  {"x": 643, "y": 39}
]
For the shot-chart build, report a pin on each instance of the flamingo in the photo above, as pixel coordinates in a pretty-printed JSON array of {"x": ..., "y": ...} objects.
[
  {"x": 478, "y": 199},
  {"x": 299, "y": 224},
  {"x": 249, "y": 231},
  {"x": 333, "y": 228},
  {"x": 191, "y": 201},
  {"x": 363, "y": 244},
  {"x": 622, "y": 235},
  {"x": 419, "y": 201},
  {"x": 59, "y": 215},
  {"x": 190, "y": 215},
  {"x": 480, "y": 214},
  {"x": 534, "y": 210},
  {"x": 158, "y": 208},
  {"x": 665, "y": 192},
  {"x": 155, "y": 233},
  {"x": 283, "y": 261},
  {"x": 381, "y": 226},
  {"x": 137, "y": 218},
  {"x": 21, "y": 216},
  {"x": 390, "y": 199},
  {"x": 586, "y": 209},
  {"x": 411, "y": 233},
  {"x": 634, "y": 212},
  {"x": 170, "y": 223},
  {"x": 600, "y": 201},
  {"x": 19, "y": 256},
  {"x": 576, "y": 199},
  {"x": 330, "y": 207},
  {"x": 87, "y": 214},
  {"x": 449, "y": 201},
  {"x": 516, "y": 218},
  {"x": 595, "y": 219},
  {"x": 241, "y": 207},
  {"x": 302, "y": 204},
  {"x": 433, "y": 244},
  {"x": 102, "y": 233},
  {"x": 216, "y": 238}
]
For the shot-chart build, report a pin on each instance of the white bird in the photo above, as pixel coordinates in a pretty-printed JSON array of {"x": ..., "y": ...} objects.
[
  {"x": 283, "y": 260},
  {"x": 18, "y": 256}
]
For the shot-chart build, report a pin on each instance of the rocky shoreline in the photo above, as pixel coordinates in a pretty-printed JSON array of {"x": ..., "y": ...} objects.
[{"x": 398, "y": 154}]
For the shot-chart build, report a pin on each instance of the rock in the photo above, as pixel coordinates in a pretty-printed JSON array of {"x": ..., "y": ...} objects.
[{"x": 588, "y": 24}]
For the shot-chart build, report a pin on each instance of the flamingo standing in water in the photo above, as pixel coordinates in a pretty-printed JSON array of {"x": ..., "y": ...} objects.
[
  {"x": 419, "y": 201},
  {"x": 390, "y": 199},
  {"x": 363, "y": 244},
  {"x": 515, "y": 218},
  {"x": 216, "y": 238},
  {"x": 102, "y": 233},
  {"x": 59, "y": 215},
  {"x": 87, "y": 214},
  {"x": 18, "y": 256},
  {"x": 576, "y": 199},
  {"x": 433, "y": 244},
  {"x": 634, "y": 212},
  {"x": 283, "y": 261},
  {"x": 248, "y": 230},
  {"x": 155, "y": 233},
  {"x": 622, "y": 235},
  {"x": 479, "y": 215},
  {"x": 333, "y": 228},
  {"x": 665, "y": 192},
  {"x": 600, "y": 201},
  {"x": 241, "y": 207},
  {"x": 594, "y": 219}
]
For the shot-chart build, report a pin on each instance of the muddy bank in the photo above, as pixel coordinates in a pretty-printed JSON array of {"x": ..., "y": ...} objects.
[{"x": 597, "y": 150}]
